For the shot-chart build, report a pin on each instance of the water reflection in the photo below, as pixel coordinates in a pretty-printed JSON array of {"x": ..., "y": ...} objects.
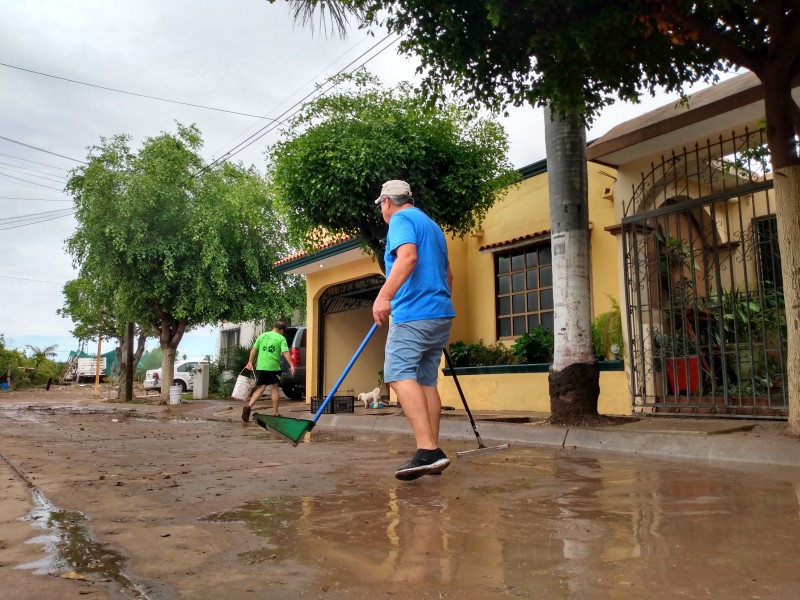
[
  {"x": 69, "y": 548},
  {"x": 534, "y": 524}
]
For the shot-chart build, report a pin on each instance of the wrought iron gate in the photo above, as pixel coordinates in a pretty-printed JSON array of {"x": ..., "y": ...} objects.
[{"x": 706, "y": 318}]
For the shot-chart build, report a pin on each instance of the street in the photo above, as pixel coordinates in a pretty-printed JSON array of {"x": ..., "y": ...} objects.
[{"x": 189, "y": 502}]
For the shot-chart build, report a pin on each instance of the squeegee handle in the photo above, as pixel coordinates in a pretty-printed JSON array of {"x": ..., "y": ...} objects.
[
  {"x": 463, "y": 399},
  {"x": 349, "y": 366}
]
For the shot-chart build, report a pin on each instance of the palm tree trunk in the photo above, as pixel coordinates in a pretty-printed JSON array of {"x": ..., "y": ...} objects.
[{"x": 574, "y": 377}]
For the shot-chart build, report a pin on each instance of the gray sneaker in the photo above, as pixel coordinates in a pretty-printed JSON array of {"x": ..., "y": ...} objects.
[{"x": 425, "y": 462}]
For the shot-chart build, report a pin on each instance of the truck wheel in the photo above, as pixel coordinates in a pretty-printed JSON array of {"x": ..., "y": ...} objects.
[
  {"x": 292, "y": 392},
  {"x": 182, "y": 384}
]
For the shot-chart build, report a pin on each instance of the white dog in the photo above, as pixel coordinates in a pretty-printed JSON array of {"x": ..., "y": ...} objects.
[{"x": 372, "y": 397}]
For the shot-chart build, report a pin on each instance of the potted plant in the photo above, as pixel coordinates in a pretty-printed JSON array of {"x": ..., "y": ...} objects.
[
  {"x": 675, "y": 261},
  {"x": 678, "y": 353},
  {"x": 740, "y": 332},
  {"x": 607, "y": 333}
]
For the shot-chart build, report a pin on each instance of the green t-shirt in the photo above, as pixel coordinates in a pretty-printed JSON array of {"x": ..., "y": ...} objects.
[{"x": 270, "y": 345}]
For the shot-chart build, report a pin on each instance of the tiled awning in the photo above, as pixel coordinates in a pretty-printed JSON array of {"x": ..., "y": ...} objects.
[{"x": 516, "y": 242}]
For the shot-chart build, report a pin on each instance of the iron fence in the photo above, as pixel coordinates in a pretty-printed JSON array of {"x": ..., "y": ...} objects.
[{"x": 706, "y": 318}]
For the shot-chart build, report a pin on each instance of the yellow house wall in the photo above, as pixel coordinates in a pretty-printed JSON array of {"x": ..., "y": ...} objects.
[
  {"x": 524, "y": 210},
  {"x": 528, "y": 392}
]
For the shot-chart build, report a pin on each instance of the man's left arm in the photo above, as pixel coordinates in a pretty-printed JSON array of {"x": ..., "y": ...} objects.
[{"x": 403, "y": 267}]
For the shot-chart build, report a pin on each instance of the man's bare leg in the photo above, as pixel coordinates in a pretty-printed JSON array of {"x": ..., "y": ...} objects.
[
  {"x": 275, "y": 398},
  {"x": 253, "y": 399},
  {"x": 434, "y": 404},
  {"x": 414, "y": 402},
  {"x": 256, "y": 395}
]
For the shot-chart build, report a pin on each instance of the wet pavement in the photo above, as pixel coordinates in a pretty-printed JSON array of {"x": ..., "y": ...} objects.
[{"x": 109, "y": 501}]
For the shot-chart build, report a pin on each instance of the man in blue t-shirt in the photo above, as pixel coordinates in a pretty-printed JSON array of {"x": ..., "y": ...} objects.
[{"x": 417, "y": 296}]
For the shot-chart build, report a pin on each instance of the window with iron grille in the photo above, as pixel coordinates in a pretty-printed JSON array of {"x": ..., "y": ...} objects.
[
  {"x": 768, "y": 252},
  {"x": 524, "y": 289}
]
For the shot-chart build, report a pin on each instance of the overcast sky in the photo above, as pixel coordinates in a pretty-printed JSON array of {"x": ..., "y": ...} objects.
[{"x": 245, "y": 56}]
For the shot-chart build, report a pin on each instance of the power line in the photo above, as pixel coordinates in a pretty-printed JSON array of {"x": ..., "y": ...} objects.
[
  {"x": 34, "y": 199},
  {"x": 36, "y": 221},
  {"x": 39, "y": 214},
  {"x": 30, "y": 182},
  {"x": 33, "y": 172},
  {"x": 34, "y": 280},
  {"x": 303, "y": 86},
  {"x": 269, "y": 128},
  {"x": 33, "y": 161},
  {"x": 41, "y": 149},
  {"x": 110, "y": 89}
]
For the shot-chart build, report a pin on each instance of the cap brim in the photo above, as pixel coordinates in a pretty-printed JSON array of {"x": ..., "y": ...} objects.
[{"x": 378, "y": 199}]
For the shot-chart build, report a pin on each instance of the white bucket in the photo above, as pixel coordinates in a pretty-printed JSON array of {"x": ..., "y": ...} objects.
[
  {"x": 175, "y": 394},
  {"x": 243, "y": 388}
]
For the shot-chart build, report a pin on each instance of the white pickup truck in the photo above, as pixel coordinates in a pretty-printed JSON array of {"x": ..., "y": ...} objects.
[{"x": 86, "y": 369}]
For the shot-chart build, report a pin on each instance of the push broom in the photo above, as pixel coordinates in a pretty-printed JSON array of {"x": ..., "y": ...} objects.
[
  {"x": 294, "y": 429},
  {"x": 482, "y": 448}
]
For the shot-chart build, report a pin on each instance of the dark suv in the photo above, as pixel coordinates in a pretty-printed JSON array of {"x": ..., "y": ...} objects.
[{"x": 295, "y": 386}]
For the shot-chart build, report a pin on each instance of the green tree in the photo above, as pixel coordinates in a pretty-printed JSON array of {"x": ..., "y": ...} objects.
[
  {"x": 342, "y": 147},
  {"x": 183, "y": 245},
  {"x": 90, "y": 305}
]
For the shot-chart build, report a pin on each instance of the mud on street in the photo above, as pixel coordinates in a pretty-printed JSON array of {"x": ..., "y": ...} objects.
[{"x": 104, "y": 500}]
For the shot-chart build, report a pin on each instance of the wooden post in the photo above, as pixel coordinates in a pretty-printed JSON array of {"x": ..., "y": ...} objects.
[
  {"x": 97, "y": 369},
  {"x": 129, "y": 362}
]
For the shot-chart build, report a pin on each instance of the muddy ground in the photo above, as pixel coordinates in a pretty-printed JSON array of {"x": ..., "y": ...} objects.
[{"x": 107, "y": 500}]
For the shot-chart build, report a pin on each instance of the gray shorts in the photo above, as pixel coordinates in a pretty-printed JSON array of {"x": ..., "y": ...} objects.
[{"x": 414, "y": 350}]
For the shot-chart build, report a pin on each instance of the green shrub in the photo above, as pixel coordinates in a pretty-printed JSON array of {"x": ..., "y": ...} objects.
[
  {"x": 480, "y": 354},
  {"x": 607, "y": 331},
  {"x": 535, "y": 346}
]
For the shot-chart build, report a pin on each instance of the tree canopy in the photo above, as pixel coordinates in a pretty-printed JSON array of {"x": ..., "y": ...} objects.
[
  {"x": 328, "y": 171},
  {"x": 178, "y": 245}
]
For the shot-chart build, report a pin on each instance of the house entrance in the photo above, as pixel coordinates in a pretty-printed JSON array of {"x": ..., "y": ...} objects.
[
  {"x": 706, "y": 320},
  {"x": 345, "y": 316}
]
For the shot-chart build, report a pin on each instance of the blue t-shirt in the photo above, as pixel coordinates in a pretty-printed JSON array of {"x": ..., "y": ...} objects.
[{"x": 425, "y": 294}]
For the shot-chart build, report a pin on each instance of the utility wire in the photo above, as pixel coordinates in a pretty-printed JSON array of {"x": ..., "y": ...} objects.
[
  {"x": 33, "y": 172},
  {"x": 30, "y": 182},
  {"x": 34, "y": 199},
  {"x": 41, "y": 149},
  {"x": 35, "y": 222},
  {"x": 34, "y": 280},
  {"x": 110, "y": 89},
  {"x": 289, "y": 112},
  {"x": 298, "y": 90},
  {"x": 5, "y": 220},
  {"x": 33, "y": 161}
]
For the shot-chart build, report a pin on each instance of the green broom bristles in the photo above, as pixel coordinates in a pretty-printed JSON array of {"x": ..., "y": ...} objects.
[{"x": 287, "y": 427}]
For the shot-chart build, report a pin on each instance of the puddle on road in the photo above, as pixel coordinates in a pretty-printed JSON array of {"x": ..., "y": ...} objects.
[
  {"x": 68, "y": 548},
  {"x": 525, "y": 522},
  {"x": 400, "y": 536}
]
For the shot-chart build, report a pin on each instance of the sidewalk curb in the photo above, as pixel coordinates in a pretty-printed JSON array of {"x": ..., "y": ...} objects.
[{"x": 739, "y": 447}]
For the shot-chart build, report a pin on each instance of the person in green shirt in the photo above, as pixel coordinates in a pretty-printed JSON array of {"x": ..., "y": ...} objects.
[{"x": 269, "y": 346}]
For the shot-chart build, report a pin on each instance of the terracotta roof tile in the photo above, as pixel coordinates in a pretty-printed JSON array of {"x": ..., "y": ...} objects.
[
  {"x": 514, "y": 241},
  {"x": 302, "y": 253}
]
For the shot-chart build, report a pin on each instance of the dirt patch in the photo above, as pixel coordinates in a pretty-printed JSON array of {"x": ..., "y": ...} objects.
[{"x": 77, "y": 391}]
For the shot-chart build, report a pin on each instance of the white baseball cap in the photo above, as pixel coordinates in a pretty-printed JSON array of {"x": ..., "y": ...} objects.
[{"x": 394, "y": 187}]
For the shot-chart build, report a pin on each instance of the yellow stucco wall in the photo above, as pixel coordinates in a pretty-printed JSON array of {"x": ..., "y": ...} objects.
[
  {"x": 528, "y": 392},
  {"x": 524, "y": 211}
]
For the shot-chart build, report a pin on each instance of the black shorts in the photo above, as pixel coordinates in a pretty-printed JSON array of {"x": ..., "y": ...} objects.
[{"x": 267, "y": 377}]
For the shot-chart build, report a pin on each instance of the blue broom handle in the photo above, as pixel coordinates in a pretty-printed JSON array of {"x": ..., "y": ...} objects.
[{"x": 349, "y": 366}]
